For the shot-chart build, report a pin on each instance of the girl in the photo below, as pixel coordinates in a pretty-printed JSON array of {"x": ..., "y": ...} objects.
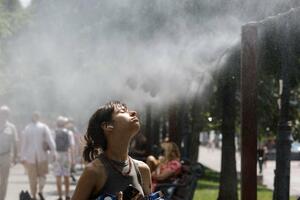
[{"x": 110, "y": 170}]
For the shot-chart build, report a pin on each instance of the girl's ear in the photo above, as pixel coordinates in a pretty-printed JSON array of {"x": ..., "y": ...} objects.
[{"x": 107, "y": 126}]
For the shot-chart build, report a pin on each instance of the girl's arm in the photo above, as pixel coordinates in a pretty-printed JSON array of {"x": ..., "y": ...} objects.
[{"x": 146, "y": 177}]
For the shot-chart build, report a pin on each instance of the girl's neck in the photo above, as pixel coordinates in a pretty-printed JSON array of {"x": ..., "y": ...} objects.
[
  {"x": 117, "y": 153},
  {"x": 117, "y": 146}
]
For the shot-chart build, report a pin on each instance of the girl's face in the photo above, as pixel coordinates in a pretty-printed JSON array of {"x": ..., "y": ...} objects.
[{"x": 125, "y": 121}]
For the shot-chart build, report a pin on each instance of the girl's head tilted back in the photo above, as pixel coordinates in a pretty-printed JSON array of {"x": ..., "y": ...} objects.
[{"x": 95, "y": 138}]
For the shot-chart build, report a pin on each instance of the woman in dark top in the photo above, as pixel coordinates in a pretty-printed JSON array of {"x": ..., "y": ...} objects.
[{"x": 110, "y": 170}]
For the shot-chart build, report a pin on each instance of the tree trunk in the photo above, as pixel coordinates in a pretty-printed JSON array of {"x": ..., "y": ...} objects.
[
  {"x": 284, "y": 138},
  {"x": 228, "y": 179},
  {"x": 173, "y": 125},
  {"x": 184, "y": 130},
  {"x": 197, "y": 126},
  {"x": 164, "y": 126},
  {"x": 155, "y": 130},
  {"x": 148, "y": 129}
]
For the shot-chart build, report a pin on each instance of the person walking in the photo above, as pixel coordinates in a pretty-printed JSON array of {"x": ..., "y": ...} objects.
[
  {"x": 8, "y": 143},
  {"x": 261, "y": 157},
  {"x": 64, "y": 141},
  {"x": 36, "y": 142},
  {"x": 76, "y": 150}
]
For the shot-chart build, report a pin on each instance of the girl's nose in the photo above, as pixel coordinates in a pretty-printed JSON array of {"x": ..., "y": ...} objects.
[{"x": 133, "y": 113}]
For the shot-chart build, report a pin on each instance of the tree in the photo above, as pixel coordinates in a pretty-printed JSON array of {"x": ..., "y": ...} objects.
[
  {"x": 12, "y": 18},
  {"x": 227, "y": 87}
]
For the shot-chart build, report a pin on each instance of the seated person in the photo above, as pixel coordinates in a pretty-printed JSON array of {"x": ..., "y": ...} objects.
[
  {"x": 157, "y": 155},
  {"x": 169, "y": 166}
]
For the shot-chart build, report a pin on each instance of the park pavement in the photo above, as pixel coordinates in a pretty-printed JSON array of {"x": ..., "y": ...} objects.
[
  {"x": 211, "y": 158},
  {"x": 18, "y": 181}
]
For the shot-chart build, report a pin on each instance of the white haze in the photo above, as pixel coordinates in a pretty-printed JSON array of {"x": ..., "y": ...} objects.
[
  {"x": 25, "y": 3},
  {"x": 76, "y": 55}
]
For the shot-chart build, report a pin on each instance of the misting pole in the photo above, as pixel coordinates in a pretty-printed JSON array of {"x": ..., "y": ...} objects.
[{"x": 248, "y": 112}]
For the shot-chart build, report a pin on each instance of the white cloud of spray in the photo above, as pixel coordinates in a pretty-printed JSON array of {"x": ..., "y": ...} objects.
[{"x": 75, "y": 55}]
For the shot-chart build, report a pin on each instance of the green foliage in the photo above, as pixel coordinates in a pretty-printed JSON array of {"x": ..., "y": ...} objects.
[
  {"x": 267, "y": 110},
  {"x": 295, "y": 113},
  {"x": 12, "y": 19},
  {"x": 269, "y": 73},
  {"x": 229, "y": 74},
  {"x": 208, "y": 188}
]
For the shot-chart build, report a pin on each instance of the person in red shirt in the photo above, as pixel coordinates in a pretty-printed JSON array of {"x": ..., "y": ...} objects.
[{"x": 169, "y": 167}]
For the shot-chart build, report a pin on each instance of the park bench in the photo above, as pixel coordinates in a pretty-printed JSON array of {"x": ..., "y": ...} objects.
[{"x": 184, "y": 186}]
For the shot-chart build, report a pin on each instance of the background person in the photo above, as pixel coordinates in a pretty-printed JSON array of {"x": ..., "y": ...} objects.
[
  {"x": 64, "y": 141},
  {"x": 77, "y": 149},
  {"x": 157, "y": 155},
  {"x": 8, "y": 143},
  {"x": 36, "y": 139},
  {"x": 261, "y": 157},
  {"x": 169, "y": 166}
]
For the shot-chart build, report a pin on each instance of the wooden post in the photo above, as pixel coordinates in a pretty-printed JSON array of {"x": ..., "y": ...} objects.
[{"x": 248, "y": 112}]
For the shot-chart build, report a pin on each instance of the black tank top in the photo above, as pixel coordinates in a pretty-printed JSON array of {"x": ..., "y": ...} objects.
[{"x": 117, "y": 182}]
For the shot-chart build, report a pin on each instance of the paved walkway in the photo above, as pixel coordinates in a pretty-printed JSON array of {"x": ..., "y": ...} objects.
[
  {"x": 18, "y": 181},
  {"x": 212, "y": 158}
]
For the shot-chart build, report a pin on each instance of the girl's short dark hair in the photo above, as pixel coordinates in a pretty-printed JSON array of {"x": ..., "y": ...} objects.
[{"x": 95, "y": 140}]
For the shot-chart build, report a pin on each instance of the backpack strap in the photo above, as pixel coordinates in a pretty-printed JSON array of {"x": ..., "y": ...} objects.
[{"x": 138, "y": 172}]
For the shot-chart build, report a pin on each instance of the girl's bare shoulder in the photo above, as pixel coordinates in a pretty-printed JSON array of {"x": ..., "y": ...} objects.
[{"x": 95, "y": 168}]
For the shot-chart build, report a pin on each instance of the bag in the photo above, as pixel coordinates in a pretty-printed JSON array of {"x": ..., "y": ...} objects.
[
  {"x": 45, "y": 144},
  {"x": 62, "y": 140},
  {"x": 25, "y": 195}
]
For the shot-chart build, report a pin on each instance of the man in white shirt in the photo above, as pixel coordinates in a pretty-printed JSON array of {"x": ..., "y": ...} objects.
[
  {"x": 8, "y": 142},
  {"x": 35, "y": 144}
]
